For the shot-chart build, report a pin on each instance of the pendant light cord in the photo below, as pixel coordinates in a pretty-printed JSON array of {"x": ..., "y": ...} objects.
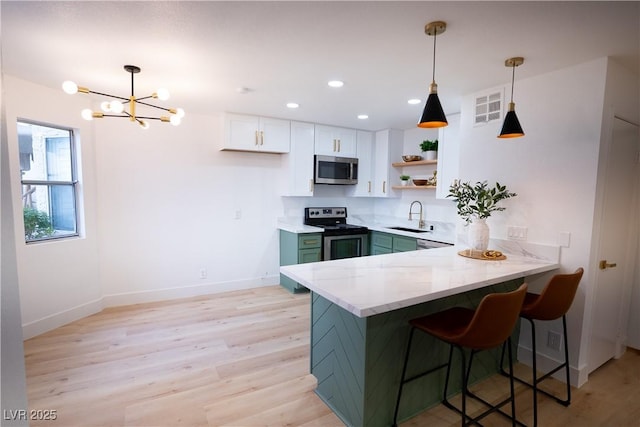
[
  {"x": 433, "y": 76},
  {"x": 513, "y": 76}
]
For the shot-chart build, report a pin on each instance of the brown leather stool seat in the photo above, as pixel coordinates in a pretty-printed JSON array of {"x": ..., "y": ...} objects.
[
  {"x": 552, "y": 303},
  {"x": 488, "y": 326}
]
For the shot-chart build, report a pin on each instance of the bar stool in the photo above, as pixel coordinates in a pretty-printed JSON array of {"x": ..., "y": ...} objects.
[
  {"x": 489, "y": 326},
  {"x": 553, "y": 303}
]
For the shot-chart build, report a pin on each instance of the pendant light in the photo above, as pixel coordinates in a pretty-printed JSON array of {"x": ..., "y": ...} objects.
[
  {"x": 511, "y": 127},
  {"x": 433, "y": 115}
]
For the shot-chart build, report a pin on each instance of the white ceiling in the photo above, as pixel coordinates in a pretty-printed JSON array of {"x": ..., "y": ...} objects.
[{"x": 287, "y": 51}]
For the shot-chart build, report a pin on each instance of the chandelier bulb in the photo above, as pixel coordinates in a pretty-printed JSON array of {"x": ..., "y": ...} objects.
[
  {"x": 70, "y": 87},
  {"x": 143, "y": 124},
  {"x": 180, "y": 112},
  {"x": 116, "y": 107},
  {"x": 105, "y": 106},
  {"x": 175, "y": 120},
  {"x": 162, "y": 94},
  {"x": 87, "y": 114}
]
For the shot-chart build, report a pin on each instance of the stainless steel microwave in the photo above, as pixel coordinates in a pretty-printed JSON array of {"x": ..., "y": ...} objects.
[{"x": 335, "y": 170}]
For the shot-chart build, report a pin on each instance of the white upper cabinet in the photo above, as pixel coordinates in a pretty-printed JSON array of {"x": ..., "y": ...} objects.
[
  {"x": 299, "y": 162},
  {"x": 388, "y": 148},
  {"x": 253, "y": 133},
  {"x": 335, "y": 141},
  {"x": 364, "y": 149}
]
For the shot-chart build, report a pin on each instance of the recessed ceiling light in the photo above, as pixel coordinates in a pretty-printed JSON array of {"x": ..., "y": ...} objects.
[
  {"x": 336, "y": 83},
  {"x": 414, "y": 101},
  {"x": 363, "y": 116},
  {"x": 292, "y": 105}
]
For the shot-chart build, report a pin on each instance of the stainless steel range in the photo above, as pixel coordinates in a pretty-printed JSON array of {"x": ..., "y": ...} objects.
[{"x": 339, "y": 239}]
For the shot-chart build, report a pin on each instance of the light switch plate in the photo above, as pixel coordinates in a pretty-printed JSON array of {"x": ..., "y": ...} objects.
[
  {"x": 516, "y": 233},
  {"x": 564, "y": 239}
]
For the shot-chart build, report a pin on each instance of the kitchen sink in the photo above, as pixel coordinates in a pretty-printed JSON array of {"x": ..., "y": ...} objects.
[{"x": 410, "y": 230}]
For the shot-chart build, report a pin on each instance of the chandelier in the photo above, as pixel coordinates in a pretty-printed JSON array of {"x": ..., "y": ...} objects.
[{"x": 116, "y": 106}]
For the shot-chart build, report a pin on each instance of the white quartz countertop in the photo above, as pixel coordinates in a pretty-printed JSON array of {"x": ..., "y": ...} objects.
[{"x": 371, "y": 285}]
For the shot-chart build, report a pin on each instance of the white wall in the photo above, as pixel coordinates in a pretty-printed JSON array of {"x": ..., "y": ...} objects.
[
  {"x": 167, "y": 210},
  {"x": 58, "y": 280},
  {"x": 552, "y": 168}
]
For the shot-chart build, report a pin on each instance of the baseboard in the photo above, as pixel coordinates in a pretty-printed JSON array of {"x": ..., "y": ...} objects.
[
  {"x": 45, "y": 324},
  {"x": 56, "y": 320},
  {"x": 128, "y": 298},
  {"x": 545, "y": 363}
]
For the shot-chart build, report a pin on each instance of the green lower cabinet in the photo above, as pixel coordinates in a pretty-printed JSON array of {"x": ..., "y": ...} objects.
[
  {"x": 298, "y": 249},
  {"x": 385, "y": 243}
]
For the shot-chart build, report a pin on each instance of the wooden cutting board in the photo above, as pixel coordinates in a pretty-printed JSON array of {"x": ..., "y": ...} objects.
[{"x": 489, "y": 255}]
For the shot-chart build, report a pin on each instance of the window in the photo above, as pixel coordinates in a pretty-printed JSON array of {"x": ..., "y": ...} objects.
[
  {"x": 49, "y": 183},
  {"x": 488, "y": 108}
]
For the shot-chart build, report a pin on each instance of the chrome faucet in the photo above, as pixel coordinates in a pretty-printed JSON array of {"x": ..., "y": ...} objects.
[{"x": 421, "y": 222}]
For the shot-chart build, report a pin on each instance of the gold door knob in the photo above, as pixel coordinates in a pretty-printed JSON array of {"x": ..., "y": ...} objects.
[{"x": 604, "y": 265}]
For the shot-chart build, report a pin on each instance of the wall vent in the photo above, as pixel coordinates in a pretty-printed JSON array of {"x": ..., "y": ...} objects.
[{"x": 488, "y": 107}]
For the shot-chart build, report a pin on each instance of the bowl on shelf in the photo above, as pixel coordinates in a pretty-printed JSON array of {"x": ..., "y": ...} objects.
[
  {"x": 420, "y": 182},
  {"x": 411, "y": 158}
]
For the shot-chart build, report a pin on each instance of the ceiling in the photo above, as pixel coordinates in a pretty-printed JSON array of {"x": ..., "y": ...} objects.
[{"x": 283, "y": 52}]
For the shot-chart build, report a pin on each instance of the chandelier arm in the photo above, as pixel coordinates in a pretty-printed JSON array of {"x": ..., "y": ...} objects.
[
  {"x": 148, "y": 118},
  {"x": 154, "y": 106},
  {"x": 108, "y": 95}
]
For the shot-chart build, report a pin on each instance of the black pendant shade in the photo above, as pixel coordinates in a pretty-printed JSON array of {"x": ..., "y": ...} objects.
[
  {"x": 433, "y": 115},
  {"x": 511, "y": 127}
]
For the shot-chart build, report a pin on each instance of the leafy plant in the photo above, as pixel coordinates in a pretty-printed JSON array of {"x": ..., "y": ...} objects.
[
  {"x": 405, "y": 177},
  {"x": 479, "y": 200},
  {"x": 37, "y": 224},
  {"x": 428, "y": 145}
]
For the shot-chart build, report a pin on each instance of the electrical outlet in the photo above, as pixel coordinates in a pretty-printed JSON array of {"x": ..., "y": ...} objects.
[
  {"x": 203, "y": 273},
  {"x": 516, "y": 233},
  {"x": 554, "y": 340},
  {"x": 238, "y": 214}
]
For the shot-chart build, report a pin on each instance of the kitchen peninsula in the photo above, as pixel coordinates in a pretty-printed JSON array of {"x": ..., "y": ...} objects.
[{"x": 359, "y": 313}]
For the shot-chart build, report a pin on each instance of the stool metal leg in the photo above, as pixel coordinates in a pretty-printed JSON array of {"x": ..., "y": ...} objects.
[{"x": 404, "y": 372}]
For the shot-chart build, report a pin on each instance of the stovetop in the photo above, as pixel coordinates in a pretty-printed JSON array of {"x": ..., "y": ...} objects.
[{"x": 332, "y": 220}]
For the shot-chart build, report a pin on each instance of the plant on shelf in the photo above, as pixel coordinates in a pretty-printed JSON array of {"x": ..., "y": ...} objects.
[
  {"x": 430, "y": 149},
  {"x": 428, "y": 145},
  {"x": 405, "y": 179},
  {"x": 475, "y": 204},
  {"x": 478, "y": 201}
]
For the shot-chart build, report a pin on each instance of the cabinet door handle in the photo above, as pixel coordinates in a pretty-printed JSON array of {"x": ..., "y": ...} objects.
[
  {"x": 261, "y": 137},
  {"x": 309, "y": 242},
  {"x": 369, "y": 189},
  {"x": 338, "y": 146},
  {"x": 384, "y": 187},
  {"x": 334, "y": 145},
  {"x": 311, "y": 186},
  {"x": 256, "y": 137}
]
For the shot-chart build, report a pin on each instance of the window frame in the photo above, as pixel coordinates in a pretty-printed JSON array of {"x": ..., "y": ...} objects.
[{"x": 73, "y": 183}]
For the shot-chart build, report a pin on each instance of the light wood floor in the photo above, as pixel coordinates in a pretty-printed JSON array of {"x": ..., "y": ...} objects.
[{"x": 242, "y": 359}]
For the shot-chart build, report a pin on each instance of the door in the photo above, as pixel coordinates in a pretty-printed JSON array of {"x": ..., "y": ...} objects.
[{"x": 612, "y": 283}]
